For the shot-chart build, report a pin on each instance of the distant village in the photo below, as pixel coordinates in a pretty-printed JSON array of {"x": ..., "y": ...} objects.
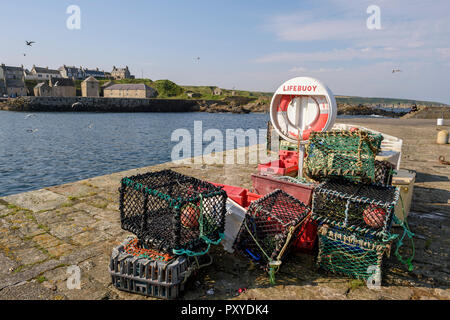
[{"x": 61, "y": 82}]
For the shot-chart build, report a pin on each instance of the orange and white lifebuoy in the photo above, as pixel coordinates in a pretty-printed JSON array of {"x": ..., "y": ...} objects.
[{"x": 301, "y": 106}]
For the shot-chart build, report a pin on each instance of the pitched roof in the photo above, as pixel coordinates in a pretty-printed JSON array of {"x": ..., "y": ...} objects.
[
  {"x": 62, "y": 82},
  {"x": 107, "y": 84},
  {"x": 129, "y": 86},
  {"x": 71, "y": 69},
  {"x": 40, "y": 84},
  {"x": 10, "y": 68},
  {"x": 45, "y": 70},
  {"x": 98, "y": 72},
  {"x": 90, "y": 79}
]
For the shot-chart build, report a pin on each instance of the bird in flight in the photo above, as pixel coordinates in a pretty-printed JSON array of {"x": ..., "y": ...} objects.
[
  {"x": 29, "y": 43},
  {"x": 396, "y": 70}
]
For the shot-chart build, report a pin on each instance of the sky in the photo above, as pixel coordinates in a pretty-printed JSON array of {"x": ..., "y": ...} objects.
[{"x": 248, "y": 45}]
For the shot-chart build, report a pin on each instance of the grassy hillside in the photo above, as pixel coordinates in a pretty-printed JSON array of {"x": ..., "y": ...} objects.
[
  {"x": 169, "y": 89},
  {"x": 384, "y": 101}
]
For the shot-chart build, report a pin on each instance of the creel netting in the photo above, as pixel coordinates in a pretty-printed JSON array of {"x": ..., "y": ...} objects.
[
  {"x": 367, "y": 209},
  {"x": 346, "y": 155},
  {"x": 350, "y": 254},
  {"x": 269, "y": 226},
  {"x": 171, "y": 212}
]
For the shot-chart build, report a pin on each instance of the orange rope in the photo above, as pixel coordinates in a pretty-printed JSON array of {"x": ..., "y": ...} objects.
[{"x": 133, "y": 248}]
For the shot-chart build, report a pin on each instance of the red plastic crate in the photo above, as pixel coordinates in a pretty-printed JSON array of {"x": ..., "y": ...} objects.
[
  {"x": 266, "y": 184},
  {"x": 252, "y": 197},
  {"x": 307, "y": 239},
  {"x": 237, "y": 194},
  {"x": 278, "y": 167},
  {"x": 290, "y": 156}
]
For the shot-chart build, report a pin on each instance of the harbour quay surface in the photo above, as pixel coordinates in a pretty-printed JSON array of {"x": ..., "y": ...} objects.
[{"x": 46, "y": 231}]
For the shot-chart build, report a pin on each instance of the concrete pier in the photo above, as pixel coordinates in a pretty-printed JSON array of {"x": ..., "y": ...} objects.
[{"x": 43, "y": 232}]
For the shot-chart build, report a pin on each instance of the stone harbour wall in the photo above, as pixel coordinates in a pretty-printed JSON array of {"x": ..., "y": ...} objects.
[{"x": 90, "y": 104}]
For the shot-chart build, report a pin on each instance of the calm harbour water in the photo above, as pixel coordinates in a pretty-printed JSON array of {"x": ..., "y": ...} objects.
[{"x": 44, "y": 149}]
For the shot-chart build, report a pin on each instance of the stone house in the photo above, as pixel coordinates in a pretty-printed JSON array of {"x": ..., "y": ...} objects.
[
  {"x": 192, "y": 94},
  {"x": 55, "y": 88},
  {"x": 121, "y": 73},
  {"x": 12, "y": 82},
  {"x": 138, "y": 90},
  {"x": 42, "y": 89},
  {"x": 217, "y": 91},
  {"x": 104, "y": 86},
  {"x": 40, "y": 73},
  {"x": 62, "y": 87},
  {"x": 90, "y": 87},
  {"x": 94, "y": 73},
  {"x": 13, "y": 88},
  {"x": 71, "y": 72}
]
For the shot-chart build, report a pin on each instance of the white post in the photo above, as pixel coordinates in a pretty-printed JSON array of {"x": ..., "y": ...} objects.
[{"x": 302, "y": 107}]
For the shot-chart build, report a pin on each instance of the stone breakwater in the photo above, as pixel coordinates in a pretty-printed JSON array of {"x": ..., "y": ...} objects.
[{"x": 85, "y": 104}]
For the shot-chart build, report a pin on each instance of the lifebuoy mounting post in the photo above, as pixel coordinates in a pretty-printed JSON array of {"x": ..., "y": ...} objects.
[{"x": 300, "y": 106}]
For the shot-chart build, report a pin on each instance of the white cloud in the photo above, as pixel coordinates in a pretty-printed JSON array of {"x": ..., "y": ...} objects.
[
  {"x": 444, "y": 52},
  {"x": 320, "y": 70},
  {"x": 342, "y": 55},
  {"x": 298, "y": 69},
  {"x": 410, "y": 30}
]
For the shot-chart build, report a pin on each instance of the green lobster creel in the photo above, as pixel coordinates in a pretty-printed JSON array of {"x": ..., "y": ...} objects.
[
  {"x": 367, "y": 209},
  {"x": 348, "y": 155},
  {"x": 171, "y": 212},
  {"x": 349, "y": 254}
]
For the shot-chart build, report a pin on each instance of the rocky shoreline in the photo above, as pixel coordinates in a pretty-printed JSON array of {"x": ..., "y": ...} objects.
[{"x": 234, "y": 104}]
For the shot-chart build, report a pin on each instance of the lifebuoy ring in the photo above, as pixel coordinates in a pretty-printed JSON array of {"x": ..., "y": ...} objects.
[{"x": 317, "y": 124}]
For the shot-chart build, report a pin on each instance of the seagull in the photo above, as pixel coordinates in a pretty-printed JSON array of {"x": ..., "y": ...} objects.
[
  {"x": 396, "y": 70},
  {"x": 32, "y": 130},
  {"x": 29, "y": 115},
  {"x": 90, "y": 125},
  {"x": 29, "y": 43}
]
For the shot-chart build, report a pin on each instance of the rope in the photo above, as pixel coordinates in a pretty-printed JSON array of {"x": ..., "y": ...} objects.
[
  {"x": 406, "y": 232},
  {"x": 274, "y": 265},
  {"x": 201, "y": 236},
  {"x": 195, "y": 267}
]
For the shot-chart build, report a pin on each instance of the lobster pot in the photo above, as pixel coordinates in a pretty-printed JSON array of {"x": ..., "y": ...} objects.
[
  {"x": 384, "y": 171},
  {"x": 270, "y": 224},
  {"x": 169, "y": 211},
  {"x": 367, "y": 209},
  {"x": 351, "y": 255},
  {"x": 348, "y": 155},
  {"x": 133, "y": 269}
]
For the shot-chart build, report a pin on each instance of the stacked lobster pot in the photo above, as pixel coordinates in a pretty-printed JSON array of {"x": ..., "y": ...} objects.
[
  {"x": 354, "y": 204},
  {"x": 175, "y": 219},
  {"x": 269, "y": 228}
]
